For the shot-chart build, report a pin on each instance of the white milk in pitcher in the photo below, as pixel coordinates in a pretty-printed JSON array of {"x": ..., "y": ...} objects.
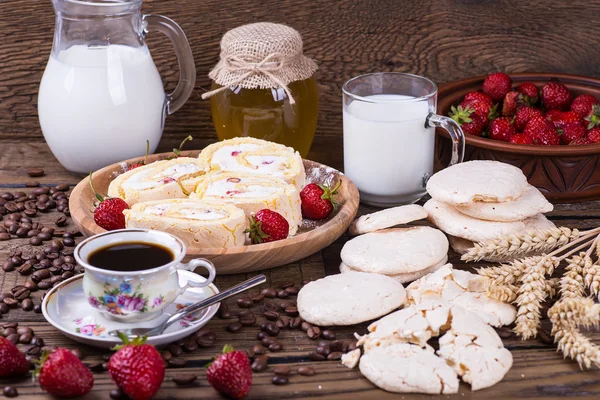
[
  {"x": 99, "y": 105},
  {"x": 387, "y": 149}
]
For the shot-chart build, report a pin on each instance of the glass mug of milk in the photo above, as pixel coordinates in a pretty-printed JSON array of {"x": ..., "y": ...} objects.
[
  {"x": 389, "y": 136},
  {"x": 101, "y": 96}
]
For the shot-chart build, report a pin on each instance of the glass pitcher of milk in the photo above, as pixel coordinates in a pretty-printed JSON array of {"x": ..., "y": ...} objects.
[
  {"x": 389, "y": 136},
  {"x": 101, "y": 96}
]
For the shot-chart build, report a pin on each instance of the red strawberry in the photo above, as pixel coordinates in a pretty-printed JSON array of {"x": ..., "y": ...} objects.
[
  {"x": 553, "y": 114},
  {"x": 497, "y": 85},
  {"x": 109, "y": 212},
  {"x": 318, "y": 201},
  {"x": 524, "y": 114},
  {"x": 594, "y": 135},
  {"x": 12, "y": 361},
  {"x": 478, "y": 97},
  {"x": 470, "y": 122},
  {"x": 542, "y": 132},
  {"x": 501, "y": 129},
  {"x": 562, "y": 118},
  {"x": 230, "y": 374},
  {"x": 521, "y": 138},
  {"x": 510, "y": 103},
  {"x": 485, "y": 110},
  {"x": 268, "y": 226},
  {"x": 580, "y": 141},
  {"x": 141, "y": 163},
  {"x": 556, "y": 96},
  {"x": 137, "y": 368},
  {"x": 593, "y": 119},
  {"x": 583, "y": 104},
  {"x": 572, "y": 131},
  {"x": 530, "y": 92},
  {"x": 62, "y": 374}
]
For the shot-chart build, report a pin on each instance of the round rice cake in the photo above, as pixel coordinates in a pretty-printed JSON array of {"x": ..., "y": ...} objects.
[
  {"x": 348, "y": 299},
  {"x": 387, "y": 218},
  {"x": 403, "y": 278},
  {"x": 477, "y": 181},
  {"x": 531, "y": 203},
  {"x": 396, "y": 251},
  {"x": 455, "y": 223}
]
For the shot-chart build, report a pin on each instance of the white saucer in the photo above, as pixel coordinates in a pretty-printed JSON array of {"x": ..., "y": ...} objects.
[{"x": 66, "y": 308}]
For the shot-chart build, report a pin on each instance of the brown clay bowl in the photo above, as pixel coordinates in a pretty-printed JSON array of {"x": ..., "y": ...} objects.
[{"x": 562, "y": 173}]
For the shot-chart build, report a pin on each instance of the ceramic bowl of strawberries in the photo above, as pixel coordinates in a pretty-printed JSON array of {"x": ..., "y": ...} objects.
[{"x": 546, "y": 124}]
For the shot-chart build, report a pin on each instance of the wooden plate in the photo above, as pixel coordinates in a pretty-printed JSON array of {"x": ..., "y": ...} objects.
[{"x": 312, "y": 236}]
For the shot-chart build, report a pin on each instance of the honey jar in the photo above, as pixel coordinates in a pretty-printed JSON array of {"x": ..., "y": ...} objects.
[{"x": 264, "y": 87}]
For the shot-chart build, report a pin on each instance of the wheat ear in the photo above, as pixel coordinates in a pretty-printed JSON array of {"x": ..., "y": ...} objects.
[
  {"x": 506, "y": 274},
  {"x": 571, "y": 283}
]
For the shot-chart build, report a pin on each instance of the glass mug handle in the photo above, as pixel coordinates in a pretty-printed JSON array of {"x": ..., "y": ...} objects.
[
  {"x": 456, "y": 134},
  {"x": 185, "y": 58}
]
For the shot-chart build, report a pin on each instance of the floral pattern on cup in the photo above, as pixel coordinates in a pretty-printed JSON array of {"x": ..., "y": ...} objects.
[
  {"x": 88, "y": 327},
  {"x": 188, "y": 319},
  {"x": 124, "y": 299}
]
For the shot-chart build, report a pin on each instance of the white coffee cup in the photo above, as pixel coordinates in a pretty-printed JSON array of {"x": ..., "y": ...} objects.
[{"x": 136, "y": 295}]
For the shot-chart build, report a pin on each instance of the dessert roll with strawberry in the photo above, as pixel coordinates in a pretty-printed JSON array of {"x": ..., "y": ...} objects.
[
  {"x": 156, "y": 181},
  {"x": 251, "y": 193},
  {"x": 256, "y": 156},
  {"x": 200, "y": 224}
]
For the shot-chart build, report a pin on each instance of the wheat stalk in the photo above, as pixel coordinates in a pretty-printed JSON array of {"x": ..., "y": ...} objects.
[
  {"x": 571, "y": 283},
  {"x": 506, "y": 274},
  {"x": 512, "y": 246}
]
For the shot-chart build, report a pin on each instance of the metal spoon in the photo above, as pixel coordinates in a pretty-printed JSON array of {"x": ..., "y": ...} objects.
[{"x": 257, "y": 280}]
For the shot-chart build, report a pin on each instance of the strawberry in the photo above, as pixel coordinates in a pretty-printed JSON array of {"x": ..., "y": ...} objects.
[
  {"x": 485, "y": 110},
  {"x": 580, "y": 141},
  {"x": 530, "y": 93},
  {"x": 510, "y": 103},
  {"x": 594, "y": 135},
  {"x": 593, "y": 119},
  {"x": 230, "y": 373},
  {"x": 109, "y": 212},
  {"x": 501, "y": 129},
  {"x": 470, "y": 122},
  {"x": 556, "y": 96},
  {"x": 318, "y": 201},
  {"x": 478, "y": 97},
  {"x": 268, "y": 226},
  {"x": 583, "y": 104},
  {"x": 563, "y": 117},
  {"x": 542, "y": 131},
  {"x": 62, "y": 374},
  {"x": 497, "y": 85},
  {"x": 521, "y": 138},
  {"x": 137, "y": 368},
  {"x": 524, "y": 114},
  {"x": 141, "y": 163},
  {"x": 553, "y": 114},
  {"x": 12, "y": 361},
  {"x": 571, "y": 131}
]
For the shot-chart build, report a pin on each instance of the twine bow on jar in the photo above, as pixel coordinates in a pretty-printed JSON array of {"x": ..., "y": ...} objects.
[{"x": 262, "y": 55}]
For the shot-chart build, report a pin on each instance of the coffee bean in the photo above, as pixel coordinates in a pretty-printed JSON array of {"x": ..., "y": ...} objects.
[
  {"x": 282, "y": 294},
  {"x": 30, "y": 212},
  {"x": 37, "y": 341},
  {"x": 269, "y": 293},
  {"x": 274, "y": 347},
  {"x": 37, "y": 309},
  {"x": 271, "y": 315},
  {"x": 11, "y": 302},
  {"x": 282, "y": 370},
  {"x": 268, "y": 340},
  {"x": 22, "y": 232},
  {"x": 248, "y": 320},
  {"x": 224, "y": 311},
  {"x": 78, "y": 353},
  {"x": 118, "y": 394},
  {"x": 27, "y": 305},
  {"x": 63, "y": 187},
  {"x": 246, "y": 313},
  {"x": 205, "y": 341},
  {"x": 272, "y": 330},
  {"x": 306, "y": 371},
  {"x": 282, "y": 323},
  {"x": 13, "y": 325},
  {"x": 32, "y": 184},
  {"x": 270, "y": 307},
  {"x": 190, "y": 345},
  {"x": 305, "y": 326},
  {"x": 35, "y": 172},
  {"x": 177, "y": 362},
  {"x": 55, "y": 279},
  {"x": 328, "y": 334},
  {"x": 55, "y": 270},
  {"x": 184, "y": 380},
  {"x": 14, "y": 338},
  {"x": 44, "y": 285},
  {"x": 40, "y": 275},
  {"x": 25, "y": 269},
  {"x": 257, "y": 297},
  {"x": 234, "y": 327},
  {"x": 314, "y": 332},
  {"x": 244, "y": 302},
  {"x": 292, "y": 291},
  {"x": 175, "y": 350},
  {"x": 22, "y": 293},
  {"x": 31, "y": 285},
  {"x": 8, "y": 266},
  {"x": 25, "y": 338},
  {"x": 68, "y": 260},
  {"x": 3, "y": 308},
  {"x": 279, "y": 380},
  {"x": 44, "y": 235},
  {"x": 4, "y": 236},
  {"x": 8, "y": 331},
  {"x": 52, "y": 256},
  {"x": 261, "y": 335},
  {"x": 56, "y": 244},
  {"x": 291, "y": 311},
  {"x": 260, "y": 363},
  {"x": 316, "y": 357},
  {"x": 67, "y": 275},
  {"x": 96, "y": 367},
  {"x": 295, "y": 323},
  {"x": 69, "y": 242},
  {"x": 10, "y": 391},
  {"x": 336, "y": 355}
]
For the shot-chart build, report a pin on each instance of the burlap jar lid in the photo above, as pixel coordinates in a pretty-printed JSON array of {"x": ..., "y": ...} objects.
[{"x": 262, "y": 55}]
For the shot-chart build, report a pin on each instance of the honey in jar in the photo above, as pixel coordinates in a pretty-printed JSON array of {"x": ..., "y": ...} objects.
[{"x": 264, "y": 87}]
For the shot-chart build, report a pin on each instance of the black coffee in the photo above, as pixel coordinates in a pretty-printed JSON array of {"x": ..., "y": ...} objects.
[{"x": 131, "y": 256}]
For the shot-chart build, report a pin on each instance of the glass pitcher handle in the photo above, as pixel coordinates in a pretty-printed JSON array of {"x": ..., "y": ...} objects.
[
  {"x": 456, "y": 134},
  {"x": 185, "y": 58}
]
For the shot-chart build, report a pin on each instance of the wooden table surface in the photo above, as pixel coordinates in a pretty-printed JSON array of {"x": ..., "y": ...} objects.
[{"x": 444, "y": 40}]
